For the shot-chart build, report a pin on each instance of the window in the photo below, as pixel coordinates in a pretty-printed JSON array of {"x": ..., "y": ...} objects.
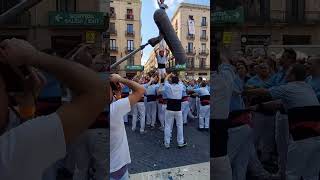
[
  {"x": 113, "y": 44},
  {"x": 190, "y": 47},
  {"x": 112, "y": 12},
  {"x": 203, "y": 34},
  {"x": 204, "y": 21},
  {"x": 129, "y": 14},
  {"x": 112, "y": 27},
  {"x": 66, "y": 5},
  {"x": 130, "y": 61},
  {"x": 202, "y": 62},
  {"x": 203, "y": 47},
  {"x": 190, "y": 62},
  {"x": 130, "y": 45},
  {"x": 130, "y": 28},
  {"x": 113, "y": 59}
]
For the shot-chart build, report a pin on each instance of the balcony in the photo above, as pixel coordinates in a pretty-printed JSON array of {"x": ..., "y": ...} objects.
[
  {"x": 204, "y": 24},
  {"x": 114, "y": 49},
  {"x": 129, "y": 17},
  {"x": 190, "y": 37},
  {"x": 113, "y": 15},
  {"x": 203, "y": 38},
  {"x": 204, "y": 67},
  {"x": 113, "y": 32},
  {"x": 204, "y": 52},
  {"x": 190, "y": 52},
  {"x": 129, "y": 49},
  {"x": 130, "y": 33}
]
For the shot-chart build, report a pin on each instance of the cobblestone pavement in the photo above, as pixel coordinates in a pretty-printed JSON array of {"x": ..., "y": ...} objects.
[{"x": 148, "y": 153}]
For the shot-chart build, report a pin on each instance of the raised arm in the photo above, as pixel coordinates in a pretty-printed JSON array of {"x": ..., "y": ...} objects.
[{"x": 78, "y": 115}]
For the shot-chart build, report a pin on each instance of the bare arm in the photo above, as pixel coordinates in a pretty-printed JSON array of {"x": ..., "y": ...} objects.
[
  {"x": 137, "y": 89},
  {"x": 78, "y": 115}
]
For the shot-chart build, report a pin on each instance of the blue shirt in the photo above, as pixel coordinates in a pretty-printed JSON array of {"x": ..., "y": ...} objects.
[
  {"x": 257, "y": 82},
  {"x": 277, "y": 79},
  {"x": 52, "y": 87},
  {"x": 314, "y": 82},
  {"x": 237, "y": 102},
  {"x": 152, "y": 89},
  {"x": 203, "y": 91},
  {"x": 125, "y": 89},
  {"x": 173, "y": 91}
]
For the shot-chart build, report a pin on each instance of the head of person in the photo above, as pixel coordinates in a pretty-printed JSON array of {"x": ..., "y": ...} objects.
[
  {"x": 200, "y": 80},
  {"x": 203, "y": 84},
  {"x": 296, "y": 72},
  {"x": 288, "y": 58},
  {"x": 174, "y": 79},
  {"x": 242, "y": 68},
  {"x": 314, "y": 65},
  {"x": 161, "y": 53},
  {"x": 162, "y": 80},
  {"x": 263, "y": 70}
]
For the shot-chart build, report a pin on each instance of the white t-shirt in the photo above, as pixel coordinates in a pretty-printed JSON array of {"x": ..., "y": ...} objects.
[
  {"x": 161, "y": 60},
  {"x": 29, "y": 149},
  {"x": 119, "y": 148}
]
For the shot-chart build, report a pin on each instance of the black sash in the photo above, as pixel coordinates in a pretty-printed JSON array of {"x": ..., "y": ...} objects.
[
  {"x": 205, "y": 100},
  {"x": 151, "y": 98},
  {"x": 161, "y": 66},
  {"x": 174, "y": 104}
]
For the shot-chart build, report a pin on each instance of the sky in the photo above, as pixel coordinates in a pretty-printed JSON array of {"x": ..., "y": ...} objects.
[{"x": 149, "y": 29}]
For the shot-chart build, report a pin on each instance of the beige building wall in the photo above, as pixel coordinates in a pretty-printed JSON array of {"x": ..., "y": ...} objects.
[
  {"x": 120, "y": 20},
  {"x": 180, "y": 24}
]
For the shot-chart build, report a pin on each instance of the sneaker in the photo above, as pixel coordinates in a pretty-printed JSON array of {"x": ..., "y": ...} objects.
[
  {"x": 133, "y": 129},
  {"x": 153, "y": 127},
  {"x": 182, "y": 145},
  {"x": 167, "y": 146}
]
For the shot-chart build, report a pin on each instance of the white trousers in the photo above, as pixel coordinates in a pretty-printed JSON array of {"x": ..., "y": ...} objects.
[
  {"x": 169, "y": 120},
  {"x": 138, "y": 113},
  {"x": 221, "y": 168},
  {"x": 204, "y": 116},
  {"x": 91, "y": 149},
  {"x": 151, "y": 111},
  {"x": 239, "y": 150},
  {"x": 198, "y": 106},
  {"x": 161, "y": 113},
  {"x": 304, "y": 159},
  {"x": 185, "y": 111},
  {"x": 162, "y": 72},
  {"x": 192, "y": 104}
]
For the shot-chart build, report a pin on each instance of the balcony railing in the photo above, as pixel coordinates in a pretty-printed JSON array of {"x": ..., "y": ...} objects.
[
  {"x": 204, "y": 24},
  {"x": 129, "y": 49},
  {"x": 113, "y": 15},
  {"x": 204, "y": 52},
  {"x": 190, "y": 51},
  {"x": 190, "y": 36},
  {"x": 113, "y": 49},
  {"x": 204, "y": 38},
  {"x": 129, "y": 17},
  {"x": 130, "y": 33},
  {"x": 113, "y": 32}
]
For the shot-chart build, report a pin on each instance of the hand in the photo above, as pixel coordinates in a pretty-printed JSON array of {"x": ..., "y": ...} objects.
[
  {"x": 115, "y": 78},
  {"x": 17, "y": 52}
]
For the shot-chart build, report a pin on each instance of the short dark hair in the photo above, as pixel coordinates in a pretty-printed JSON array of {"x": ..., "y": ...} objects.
[
  {"x": 203, "y": 84},
  {"x": 291, "y": 53},
  {"x": 299, "y": 72},
  {"x": 175, "y": 79}
]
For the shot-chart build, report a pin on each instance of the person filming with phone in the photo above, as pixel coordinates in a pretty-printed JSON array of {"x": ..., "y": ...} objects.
[{"x": 29, "y": 145}]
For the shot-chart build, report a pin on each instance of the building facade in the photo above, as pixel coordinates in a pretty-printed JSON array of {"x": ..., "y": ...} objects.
[
  {"x": 270, "y": 22},
  {"x": 58, "y": 24},
  {"x": 195, "y": 38},
  {"x": 125, "y": 33}
]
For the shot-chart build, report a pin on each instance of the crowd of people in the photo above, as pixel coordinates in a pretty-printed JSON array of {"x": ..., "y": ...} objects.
[
  {"x": 48, "y": 128},
  {"x": 265, "y": 112}
]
